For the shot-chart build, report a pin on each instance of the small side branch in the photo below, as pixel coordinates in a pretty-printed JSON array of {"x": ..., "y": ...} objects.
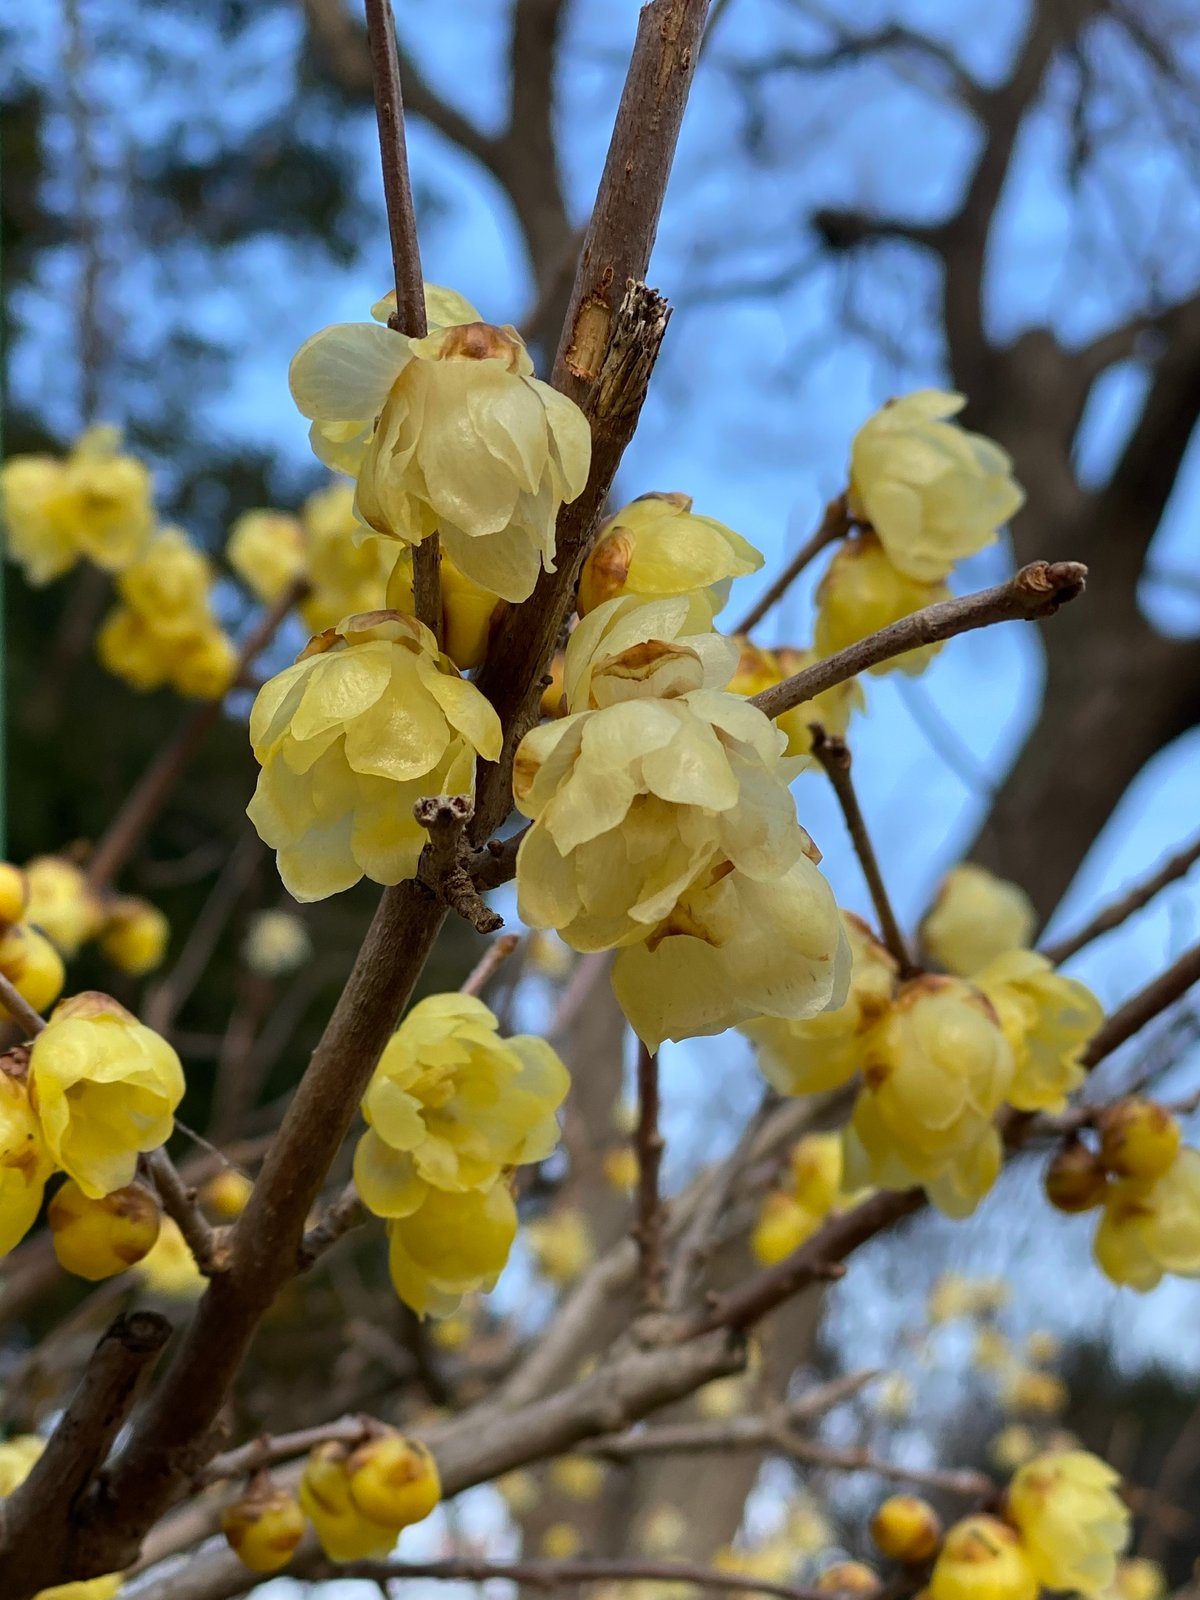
[
  {"x": 346, "y": 1213},
  {"x": 409, "y": 315},
  {"x": 496, "y": 862},
  {"x": 485, "y": 969},
  {"x": 834, "y": 756},
  {"x": 835, "y": 525},
  {"x": 1035, "y": 591},
  {"x": 270, "y": 1449},
  {"x": 1114, "y": 915},
  {"x": 561, "y": 1574},
  {"x": 206, "y": 1243},
  {"x": 444, "y": 866},
  {"x": 648, "y": 1230},
  {"x": 1144, "y": 1006}
]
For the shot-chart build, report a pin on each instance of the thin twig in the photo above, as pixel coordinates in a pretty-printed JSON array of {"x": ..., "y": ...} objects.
[
  {"x": 559, "y": 1574},
  {"x": 485, "y": 969},
  {"x": 206, "y": 1243},
  {"x": 496, "y": 862},
  {"x": 270, "y": 1449},
  {"x": 409, "y": 315},
  {"x": 1144, "y": 1006},
  {"x": 346, "y": 1212},
  {"x": 1112, "y": 916},
  {"x": 1035, "y": 591},
  {"x": 834, "y": 756},
  {"x": 152, "y": 790},
  {"x": 648, "y": 1230},
  {"x": 835, "y": 525}
]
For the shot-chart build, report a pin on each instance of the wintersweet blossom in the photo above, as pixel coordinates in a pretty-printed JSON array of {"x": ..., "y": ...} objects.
[
  {"x": 276, "y": 943},
  {"x": 370, "y": 719},
  {"x": 759, "y": 669},
  {"x": 393, "y": 1481},
  {"x": 1151, "y": 1226},
  {"x": 862, "y": 592},
  {"x": 627, "y": 649},
  {"x": 14, "y": 893},
  {"x": 935, "y": 1070},
  {"x": 657, "y": 547},
  {"x": 1072, "y": 1523},
  {"x": 267, "y": 551},
  {"x": 452, "y": 1105},
  {"x": 95, "y": 502},
  {"x": 61, "y": 903},
  {"x": 932, "y": 492},
  {"x": 975, "y": 917},
  {"x": 98, "y": 1238},
  {"x": 813, "y": 1190},
  {"x": 25, "y": 1164},
  {"x": 324, "y": 1494},
  {"x": 32, "y": 965},
  {"x": 1047, "y": 1019},
  {"x": 452, "y": 1245},
  {"x": 264, "y": 1525},
  {"x": 105, "y": 1088},
  {"x": 982, "y": 1559},
  {"x": 135, "y": 936},
  {"x": 823, "y": 1052},
  {"x": 468, "y": 443}
]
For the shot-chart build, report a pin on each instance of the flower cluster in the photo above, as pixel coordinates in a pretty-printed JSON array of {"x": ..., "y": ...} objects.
[
  {"x": 813, "y": 1190},
  {"x": 54, "y": 912},
  {"x": 95, "y": 502},
  {"x": 371, "y": 718},
  {"x": 451, "y": 1109},
  {"x": 95, "y": 1089},
  {"x": 164, "y": 630},
  {"x": 359, "y": 1499}
]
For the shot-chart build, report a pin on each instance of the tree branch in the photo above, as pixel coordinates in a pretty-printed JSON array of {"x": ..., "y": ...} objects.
[
  {"x": 1144, "y": 1006},
  {"x": 558, "y": 1574},
  {"x": 1112, "y": 916},
  {"x": 1035, "y": 591},
  {"x": 648, "y": 1230},
  {"x": 206, "y": 1243},
  {"x": 443, "y": 868},
  {"x": 835, "y": 525}
]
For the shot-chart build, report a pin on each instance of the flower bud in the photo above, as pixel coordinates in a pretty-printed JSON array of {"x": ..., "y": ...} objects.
[
  {"x": 393, "y": 1480},
  {"x": 14, "y": 892},
  {"x": 96, "y": 1239},
  {"x": 982, "y": 1559},
  {"x": 135, "y": 937},
  {"x": 1075, "y": 1179},
  {"x": 1138, "y": 1139},
  {"x": 226, "y": 1193},
  {"x": 61, "y": 904},
  {"x": 849, "y": 1577},
  {"x": 32, "y": 965},
  {"x": 906, "y": 1528},
  {"x": 264, "y": 1527}
]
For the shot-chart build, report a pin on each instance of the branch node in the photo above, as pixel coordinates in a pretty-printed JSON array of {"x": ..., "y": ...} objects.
[{"x": 445, "y": 864}]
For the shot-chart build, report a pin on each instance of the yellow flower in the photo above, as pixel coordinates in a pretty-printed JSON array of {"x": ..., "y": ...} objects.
[
  {"x": 25, "y": 1164},
  {"x": 760, "y": 669},
  {"x": 227, "y": 1192},
  {"x": 936, "y": 1070},
  {"x": 519, "y": 1491},
  {"x": 791, "y": 1216},
  {"x": 976, "y": 917},
  {"x": 906, "y": 1528},
  {"x": 1138, "y": 1579},
  {"x": 61, "y": 904},
  {"x": 264, "y": 1526},
  {"x": 170, "y": 1269},
  {"x": 1043, "y": 1346},
  {"x": 1152, "y": 1225},
  {"x": 1138, "y": 1139},
  {"x": 561, "y": 1244},
  {"x": 1047, "y": 1019},
  {"x": 89, "y": 1589},
  {"x": 18, "y": 1456},
  {"x": 1013, "y": 1446},
  {"x": 276, "y": 943},
  {"x": 32, "y": 965},
  {"x": 369, "y": 719},
  {"x": 621, "y": 1168},
  {"x": 450, "y": 1246},
  {"x": 932, "y": 492},
  {"x": 169, "y": 585},
  {"x": 627, "y": 649},
  {"x": 345, "y": 1534},
  {"x": 894, "y": 1397},
  {"x": 135, "y": 937},
  {"x": 469, "y": 611},
  {"x": 577, "y": 1477},
  {"x": 96, "y": 1239},
  {"x": 96, "y": 503},
  {"x": 824, "y": 1051},
  {"x": 560, "y": 1542},
  {"x": 951, "y": 1297},
  {"x": 1039, "y": 1393},
  {"x": 849, "y": 1577},
  {"x": 657, "y": 547},
  {"x": 982, "y": 1559},
  {"x": 1073, "y": 1525},
  {"x": 992, "y": 1351},
  {"x": 782, "y": 1226},
  {"x": 266, "y": 550},
  {"x": 467, "y": 443},
  {"x": 863, "y": 592},
  {"x": 205, "y": 669},
  {"x": 393, "y": 1481},
  {"x": 453, "y": 1105},
  {"x": 345, "y": 577},
  {"x": 14, "y": 893},
  {"x": 104, "y": 1088},
  {"x": 735, "y": 947}
]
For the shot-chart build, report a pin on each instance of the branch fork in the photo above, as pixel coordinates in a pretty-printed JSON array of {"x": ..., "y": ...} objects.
[{"x": 445, "y": 864}]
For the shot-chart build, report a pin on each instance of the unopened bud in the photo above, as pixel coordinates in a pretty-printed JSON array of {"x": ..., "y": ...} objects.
[
  {"x": 849, "y": 1577},
  {"x": 96, "y": 1239},
  {"x": 32, "y": 965},
  {"x": 906, "y": 1528},
  {"x": 1075, "y": 1179},
  {"x": 14, "y": 892},
  {"x": 1138, "y": 1139},
  {"x": 226, "y": 1193},
  {"x": 135, "y": 936},
  {"x": 393, "y": 1480},
  {"x": 264, "y": 1527}
]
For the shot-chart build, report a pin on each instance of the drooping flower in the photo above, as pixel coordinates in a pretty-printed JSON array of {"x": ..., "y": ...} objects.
[
  {"x": 824, "y": 1051},
  {"x": 982, "y": 1559},
  {"x": 906, "y": 1528},
  {"x": 32, "y": 965},
  {"x": 452, "y": 1245},
  {"x": 1138, "y": 1138},
  {"x": 267, "y": 551},
  {"x": 1151, "y": 1226},
  {"x": 264, "y": 1525},
  {"x": 863, "y": 592},
  {"x": 812, "y": 1191},
  {"x": 14, "y": 893},
  {"x": 453, "y": 1105},
  {"x": 658, "y": 547},
  {"x": 25, "y": 1164},
  {"x": 135, "y": 936},
  {"x": 975, "y": 917},
  {"x": 347, "y": 568},
  {"x": 97, "y": 1238},
  {"x": 1072, "y": 1523},
  {"x": 468, "y": 443},
  {"x": 61, "y": 903},
  {"x": 932, "y": 492},
  {"x": 627, "y": 649},
  {"x": 105, "y": 1088},
  {"x": 936, "y": 1069},
  {"x": 95, "y": 502},
  {"x": 760, "y": 669},
  {"x": 370, "y": 719},
  {"x": 324, "y": 1494},
  {"x": 1047, "y": 1019},
  {"x": 393, "y": 1481}
]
